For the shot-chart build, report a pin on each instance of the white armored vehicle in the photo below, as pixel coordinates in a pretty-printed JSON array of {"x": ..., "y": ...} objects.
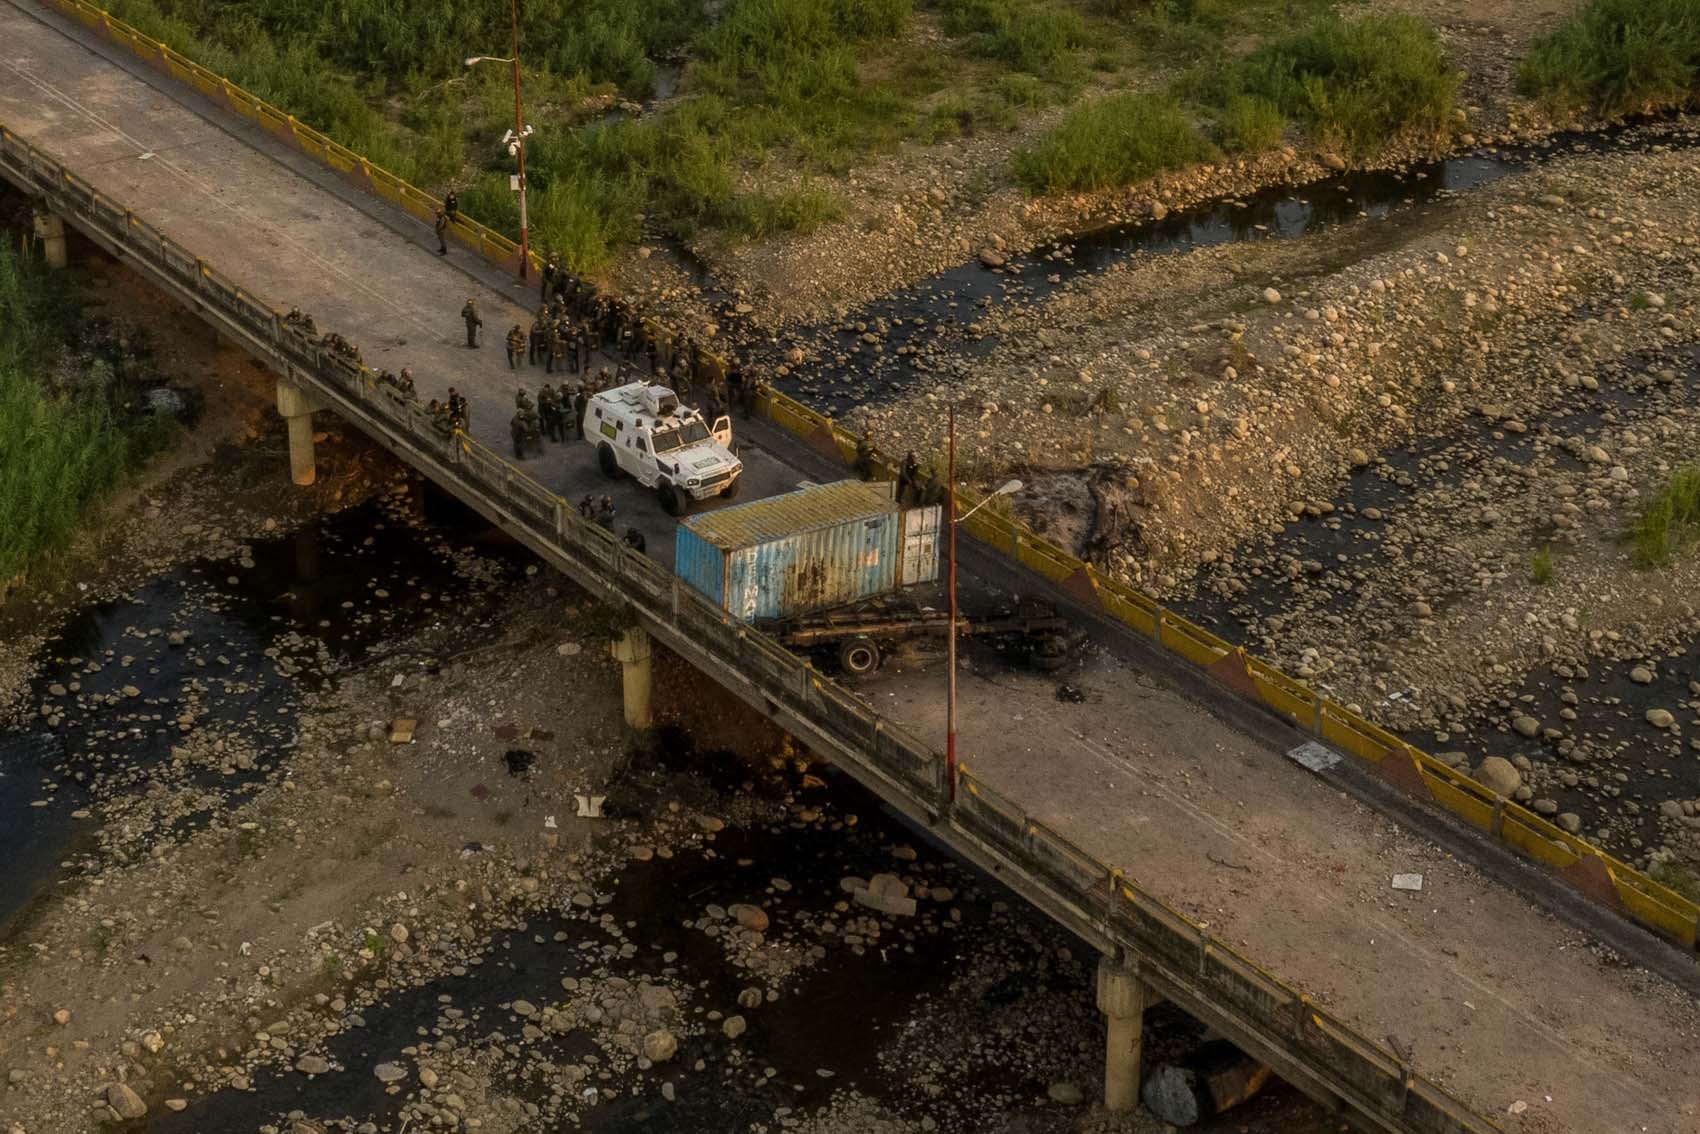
[{"x": 645, "y": 431}]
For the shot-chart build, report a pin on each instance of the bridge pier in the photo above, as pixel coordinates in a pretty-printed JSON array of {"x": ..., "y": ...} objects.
[
  {"x": 50, "y": 230},
  {"x": 633, "y": 651},
  {"x": 1122, "y": 997},
  {"x": 296, "y": 404}
]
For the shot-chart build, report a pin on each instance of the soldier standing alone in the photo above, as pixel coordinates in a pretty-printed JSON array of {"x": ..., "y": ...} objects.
[{"x": 473, "y": 323}]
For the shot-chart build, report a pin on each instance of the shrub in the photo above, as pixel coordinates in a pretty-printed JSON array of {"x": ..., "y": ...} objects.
[
  {"x": 1354, "y": 82},
  {"x": 58, "y": 451},
  {"x": 1029, "y": 37},
  {"x": 1115, "y": 140},
  {"x": 1670, "y": 523},
  {"x": 1540, "y": 567},
  {"x": 1251, "y": 124},
  {"x": 1618, "y": 56}
]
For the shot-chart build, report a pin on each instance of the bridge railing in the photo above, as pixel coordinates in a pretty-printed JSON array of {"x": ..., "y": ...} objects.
[{"x": 1359, "y": 1068}]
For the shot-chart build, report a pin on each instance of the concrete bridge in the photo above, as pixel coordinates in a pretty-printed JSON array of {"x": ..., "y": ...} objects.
[{"x": 1162, "y": 824}]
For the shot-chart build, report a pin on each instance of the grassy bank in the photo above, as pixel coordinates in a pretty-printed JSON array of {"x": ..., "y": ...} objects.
[
  {"x": 1346, "y": 84},
  {"x": 1670, "y": 523},
  {"x": 1618, "y": 56},
  {"x": 59, "y": 451}
]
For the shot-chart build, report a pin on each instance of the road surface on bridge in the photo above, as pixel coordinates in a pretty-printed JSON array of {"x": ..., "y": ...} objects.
[{"x": 1491, "y": 997}]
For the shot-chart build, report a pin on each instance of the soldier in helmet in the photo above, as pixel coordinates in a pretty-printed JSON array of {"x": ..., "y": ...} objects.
[
  {"x": 549, "y": 410},
  {"x": 516, "y": 346},
  {"x": 605, "y": 512},
  {"x": 474, "y": 324}
]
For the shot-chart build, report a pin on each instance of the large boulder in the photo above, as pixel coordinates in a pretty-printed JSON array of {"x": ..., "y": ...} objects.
[{"x": 1499, "y": 775}]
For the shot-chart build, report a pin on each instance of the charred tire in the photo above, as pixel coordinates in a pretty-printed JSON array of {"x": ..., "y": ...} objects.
[
  {"x": 859, "y": 657},
  {"x": 610, "y": 464},
  {"x": 674, "y": 501},
  {"x": 1050, "y": 652}
]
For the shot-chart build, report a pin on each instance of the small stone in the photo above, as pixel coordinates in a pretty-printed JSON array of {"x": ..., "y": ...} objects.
[
  {"x": 398, "y": 933},
  {"x": 1660, "y": 718},
  {"x": 1641, "y": 675},
  {"x": 1527, "y": 726},
  {"x": 659, "y": 1046},
  {"x": 62, "y": 1017},
  {"x": 1066, "y": 1093},
  {"x": 427, "y": 1078},
  {"x": 313, "y": 1065},
  {"x": 390, "y": 1072},
  {"x": 734, "y": 1027},
  {"x": 1271, "y": 296},
  {"x": 750, "y": 917},
  {"x": 524, "y": 1009},
  {"x": 125, "y": 1103}
]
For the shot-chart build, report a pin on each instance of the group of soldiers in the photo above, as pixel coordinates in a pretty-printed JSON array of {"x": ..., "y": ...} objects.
[
  {"x": 449, "y": 414},
  {"x": 558, "y": 416}
]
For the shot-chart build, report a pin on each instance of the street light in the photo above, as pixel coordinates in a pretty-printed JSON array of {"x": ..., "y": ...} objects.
[
  {"x": 515, "y": 138},
  {"x": 1008, "y": 488}
]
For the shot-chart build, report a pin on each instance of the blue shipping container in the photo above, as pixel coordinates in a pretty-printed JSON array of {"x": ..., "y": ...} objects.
[{"x": 812, "y": 549}]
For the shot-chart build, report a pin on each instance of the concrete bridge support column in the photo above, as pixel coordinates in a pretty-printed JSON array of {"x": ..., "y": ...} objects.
[
  {"x": 50, "y": 230},
  {"x": 1122, "y": 997},
  {"x": 296, "y": 405},
  {"x": 633, "y": 652}
]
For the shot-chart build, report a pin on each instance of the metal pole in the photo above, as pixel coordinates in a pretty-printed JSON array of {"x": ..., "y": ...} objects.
[
  {"x": 519, "y": 131},
  {"x": 950, "y": 688}
]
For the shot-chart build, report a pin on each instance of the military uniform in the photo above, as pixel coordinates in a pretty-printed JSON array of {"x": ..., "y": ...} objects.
[
  {"x": 516, "y": 346},
  {"x": 474, "y": 324}
]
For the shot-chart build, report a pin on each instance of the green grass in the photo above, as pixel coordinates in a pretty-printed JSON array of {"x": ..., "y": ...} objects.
[
  {"x": 1669, "y": 525},
  {"x": 1115, "y": 140},
  {"x": 59, "y": 452},
  {"x": 1540, "y": 567},
  {"x": 1680, "y": 878},
  {"x": 1618, "y": 56},
  {"x": 1249, "y": 124},
  {"x": 1032, "y": 37}
]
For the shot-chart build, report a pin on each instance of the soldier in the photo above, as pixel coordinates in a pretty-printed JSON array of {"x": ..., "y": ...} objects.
[
  {"x": 605, "y": 513},
  {"x": 459, "y": 412},
  {"x": 406, "y": 381},
  {"x": 737, "y": 388},
  {"x": 634, "y": 539},
  {"x": 548, "y": 274},
  {"x": 516, "y": 346},
  {"x": 931, "y": 490},
  {"x": 682, "y": 378},
  {"x": 522, "y": 402},
  {"x": 524, "y": 433},
  {"x": 587, "y": 508},
  {"x": 473, "y": 323},
  {"x": 649, "y": 351},
  {"x": 909, "y": 479},
  {"x": 451, "y": 205},
  {"x": 571, "y": 338},
  {"x": 549, "y": 409},
  {"x": 563, "y": 284},
  {"x": 580, "y": 400},
  {"x": 440, "y": 223},
  {"x": 539, "y": 340},
  {"x": 439, "y": 414},
  {"x": 557, "y": 351},
  {"x": 864, "y": 464}
]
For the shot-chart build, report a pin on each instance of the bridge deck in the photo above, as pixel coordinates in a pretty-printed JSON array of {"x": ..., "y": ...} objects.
[{"x": 1493, "y": 999}]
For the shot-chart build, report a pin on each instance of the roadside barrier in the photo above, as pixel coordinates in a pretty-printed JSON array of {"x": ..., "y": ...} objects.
[
  {"x": 1189, "y": 963},
  {"x": 1588, "y": 869}
]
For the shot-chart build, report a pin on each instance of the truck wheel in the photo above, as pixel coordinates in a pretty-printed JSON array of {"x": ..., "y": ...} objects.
[
  {"x": 1050, "y": 652},
  {"x": 730, "y": 492},
  {"x": 610, "y": 463},
  {"x": 675, "y": 502},
  {"x": 859, "y": 657}
]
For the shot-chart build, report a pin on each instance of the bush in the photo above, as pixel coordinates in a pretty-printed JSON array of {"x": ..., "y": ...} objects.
[
  {"x": 58, "y": 451},
  {"x": 1251, "y": 124},
  {"x": 1670, "y": 523},
  {"x": 1540, "y": 567},
  {"x": 1618, "y": 56},
  {"x": 1029, "y": 37},
  {"x": 1116, "y": 140},
  {"x": 1355, "y": 83}
]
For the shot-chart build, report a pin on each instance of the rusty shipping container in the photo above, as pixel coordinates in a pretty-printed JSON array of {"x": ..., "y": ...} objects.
[{"x": 812, "y": 549}]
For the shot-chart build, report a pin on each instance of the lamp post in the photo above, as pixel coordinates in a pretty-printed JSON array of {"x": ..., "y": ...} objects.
[
  {"x": 1008, "y": 488},
  {"x": 516, "y": 137}
]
